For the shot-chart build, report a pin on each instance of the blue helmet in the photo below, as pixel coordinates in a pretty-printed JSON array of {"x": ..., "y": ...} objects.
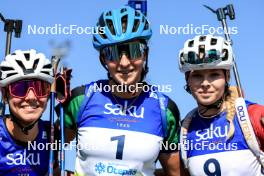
[{"x": 121, "y": 25}]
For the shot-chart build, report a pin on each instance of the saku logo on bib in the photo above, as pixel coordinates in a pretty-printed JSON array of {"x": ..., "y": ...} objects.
[
  {"x": 211, "y": 133},
  {"x": 23, "y": 158},
  {"x": 124, "y": 110}
]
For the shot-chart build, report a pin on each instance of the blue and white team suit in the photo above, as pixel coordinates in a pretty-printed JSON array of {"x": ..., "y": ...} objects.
[
  {"x": 21, "y": 158},
  {"x": 209, "y": 152},
  {"x": 119, "y": 136}
]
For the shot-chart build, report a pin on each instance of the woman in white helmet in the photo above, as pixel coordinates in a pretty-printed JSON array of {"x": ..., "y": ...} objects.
[
  {"x": 212, "y": 139},
  {"x": 25, "y": 80}
]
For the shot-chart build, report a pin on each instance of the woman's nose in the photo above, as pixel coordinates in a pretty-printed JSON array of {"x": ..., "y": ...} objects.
[
  {"x": 124, "y": 61},
  {"x": 31, "y": 94}
]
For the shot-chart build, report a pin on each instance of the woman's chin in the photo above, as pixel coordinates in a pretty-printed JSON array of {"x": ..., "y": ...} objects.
[{"x": 206, "y": 102}]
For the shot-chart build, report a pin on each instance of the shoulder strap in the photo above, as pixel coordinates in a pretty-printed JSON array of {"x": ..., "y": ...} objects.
[
  {"x": 89, "y": 90},
  {"x": 162, "y": 103},
  {"x": 183, "y": 136},
  {"x": 247, "y": 129}
]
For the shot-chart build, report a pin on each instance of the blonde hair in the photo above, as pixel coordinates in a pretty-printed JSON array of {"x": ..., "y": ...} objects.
[{"x": 229, "y": 102}]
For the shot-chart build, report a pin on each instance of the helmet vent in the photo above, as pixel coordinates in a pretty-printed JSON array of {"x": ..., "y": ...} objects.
[
  {"x": 110, "y": 26},
  {"x": 48, "y": 66},
  {"x": 213, "y": 41},
  {"x": 212, "y": 54},
  {"x": 201, "y": 51},
  {"x": 137, "y": 13},
  {"x": 225, "y": 54},
  {"x": 123, "y": 10},
  {"x": 3, "y": 68},
  {"x": 108, "y": 13},
  {"x": 103, "y": 35},
  {"x": 95, "y": 39},
  {"x": 124, "y": 23},
  {"x": 143, "y": 19},
  {"x": 10, "y": 74},
  {"x": 35, "y": 64},
  {"x": 27, "y": 56},
  {"x": 146, "y": 27},
  {"x": 45, "y": 72},
  {"x": 190, "y": 44},
  {"x": 182, "y": 58},
  {"x": 101, "y": 22},
  {"x": 136, "y": 25},
  {"x": 202, "y": 38},
  {"x": 191, "y": 57},
  {"x": 26, "y": 71},
  {"x": 21, "y": 65}
]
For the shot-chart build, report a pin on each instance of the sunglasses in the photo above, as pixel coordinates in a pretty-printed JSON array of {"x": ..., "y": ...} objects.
[
  {"x": 210, "y": 57},
  {"x": 21, "y": 88},
  {"x": 133, "y": 50},
  {"x": 63, "y": 85}
]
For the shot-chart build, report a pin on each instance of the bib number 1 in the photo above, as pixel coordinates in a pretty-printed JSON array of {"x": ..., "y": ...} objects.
[
  {"x": 212, "y": 167},
  {"x": 120, "y": 145}
]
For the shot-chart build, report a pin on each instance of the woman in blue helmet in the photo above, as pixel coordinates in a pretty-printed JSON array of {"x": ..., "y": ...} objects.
[
  {"x": 122, "y": 132},
  {"x": 25, "y": 80}
]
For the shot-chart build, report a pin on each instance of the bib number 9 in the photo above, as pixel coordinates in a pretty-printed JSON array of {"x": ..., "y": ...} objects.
[{"x": 212, "y": 167}]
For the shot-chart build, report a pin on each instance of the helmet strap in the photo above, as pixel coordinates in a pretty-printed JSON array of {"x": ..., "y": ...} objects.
[
  {"x": 146, "y": 68},
  {"x": 24, "y": 129},
  {"x": 187, "y": 88},
  {"x": 218, "y": 103},
  {"x": 215, "y": 105}
]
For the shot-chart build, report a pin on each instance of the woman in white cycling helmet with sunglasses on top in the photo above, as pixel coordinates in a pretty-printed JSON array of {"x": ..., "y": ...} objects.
[
  {"x": 120, "y": 131},
  {"x": 25, "y": 80},
  {"x": 213, "y": 141}
]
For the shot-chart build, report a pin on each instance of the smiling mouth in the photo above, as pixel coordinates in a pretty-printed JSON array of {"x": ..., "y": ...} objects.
[
  {"x": 206, "y": 92},
  {"x": 125, "y": 72},
  {"x": 29, "y": 107}
]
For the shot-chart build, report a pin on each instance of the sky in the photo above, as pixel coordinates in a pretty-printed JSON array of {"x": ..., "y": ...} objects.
[{"x": 172, "y": 22}]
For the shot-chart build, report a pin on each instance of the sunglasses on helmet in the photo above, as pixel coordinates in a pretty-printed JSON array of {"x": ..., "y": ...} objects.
[{"x": 209, "y": 57}]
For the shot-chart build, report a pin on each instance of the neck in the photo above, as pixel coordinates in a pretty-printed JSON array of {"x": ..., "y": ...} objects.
[
  {"x": 124, "y": 94},
  {"x": 211, "y": 112},
  {"x": 15, "y": 131}
]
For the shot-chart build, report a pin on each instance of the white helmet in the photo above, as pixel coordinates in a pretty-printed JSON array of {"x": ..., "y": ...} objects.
[
  {"x": 206, "y": 52},
  {"x": 25, "y": 65}
]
